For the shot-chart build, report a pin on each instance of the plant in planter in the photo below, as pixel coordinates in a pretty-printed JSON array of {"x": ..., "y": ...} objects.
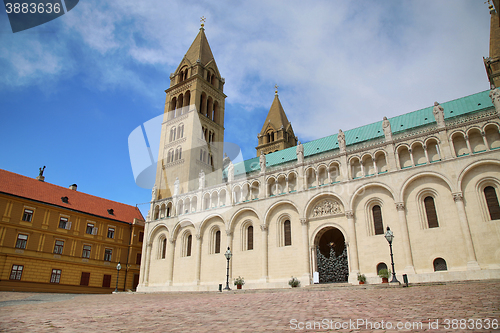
[
  {"x": 239, "y": 281},
  {"x": 361, "y": 278},
  {"x": 294, "y": 282},
  {"x": 384, "y": 274}
]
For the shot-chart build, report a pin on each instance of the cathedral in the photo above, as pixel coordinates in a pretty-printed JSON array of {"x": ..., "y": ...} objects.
[{"x": 319, "y": 211}]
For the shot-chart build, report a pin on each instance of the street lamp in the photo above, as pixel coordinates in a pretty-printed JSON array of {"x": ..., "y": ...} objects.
[
  {"x": 118, "y": 267},
  {"x": 228, "y": 256},
  {"x": 389, "y": 235}
]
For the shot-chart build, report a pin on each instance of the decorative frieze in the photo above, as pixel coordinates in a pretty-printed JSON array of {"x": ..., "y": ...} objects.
[{"x": 327, "y": 207}]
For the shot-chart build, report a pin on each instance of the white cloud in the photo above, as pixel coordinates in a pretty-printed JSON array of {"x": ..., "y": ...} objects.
[{"x": 338, "y": 64}]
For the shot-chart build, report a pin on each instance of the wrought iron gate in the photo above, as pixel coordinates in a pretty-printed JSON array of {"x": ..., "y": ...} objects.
[{"x": 334, "y": 268}]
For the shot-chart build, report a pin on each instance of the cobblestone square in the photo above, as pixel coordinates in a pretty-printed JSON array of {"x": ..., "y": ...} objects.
[{"x": 452, "y": 307}]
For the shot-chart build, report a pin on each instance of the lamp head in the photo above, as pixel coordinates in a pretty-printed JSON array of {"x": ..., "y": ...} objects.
[
  {"x": 119, "y": 266},
  {"x": 389, "y": 235},
  {"x": 228, "y": 254}
]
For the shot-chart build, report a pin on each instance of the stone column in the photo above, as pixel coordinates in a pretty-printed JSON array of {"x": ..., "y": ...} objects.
[
  {"x": 426, "y": 154},
  {"x": 265, "y": 268},
  {"x": 145, "y": 277},
  {"x": 353, "y": 247},
  {"x": 464, "y": 223},
  {"x": 305, "y": 244},
  {"x": 170, "y": 260},
  {"x": 485, "y": 140},
  {"x": 229, "y": 235},
  {"x": 411, "y": 157},
  {"x": 198, "y": 259},
  {"x": 405, "y": 236},
  {"x": 374, "y": 167},
  {"x": 468, "y": 144}
]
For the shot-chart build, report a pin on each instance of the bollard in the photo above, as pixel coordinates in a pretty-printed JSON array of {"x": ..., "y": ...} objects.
[
  {"x": 405, "y": 279},
  {"x": 220, "y": 287}
]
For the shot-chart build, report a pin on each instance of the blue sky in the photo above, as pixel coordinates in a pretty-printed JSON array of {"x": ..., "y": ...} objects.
[{"x": 73, "y": 89}]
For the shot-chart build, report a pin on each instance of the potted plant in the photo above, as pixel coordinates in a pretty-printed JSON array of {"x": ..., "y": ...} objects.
[
  {"x": 384, "y": 274},
  {"x": 294, "y": 282},
  {"x": 361, "y": 278},
  {"x": 239, "y": 281}
]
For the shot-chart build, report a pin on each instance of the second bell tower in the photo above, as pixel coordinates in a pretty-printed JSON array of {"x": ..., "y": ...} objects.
[{"x": 192, "y": 134}]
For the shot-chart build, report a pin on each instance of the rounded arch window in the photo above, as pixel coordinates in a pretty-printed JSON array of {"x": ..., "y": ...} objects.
[{"x": 440, "y": 265}]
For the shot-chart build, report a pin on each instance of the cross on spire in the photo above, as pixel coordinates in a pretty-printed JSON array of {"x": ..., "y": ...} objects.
[
  {"x": 202, "y": 20},
  {"x": 276, "y": 91}
]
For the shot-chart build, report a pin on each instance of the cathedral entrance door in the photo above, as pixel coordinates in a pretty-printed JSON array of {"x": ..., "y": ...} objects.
[{"x": 331, "y": 256}]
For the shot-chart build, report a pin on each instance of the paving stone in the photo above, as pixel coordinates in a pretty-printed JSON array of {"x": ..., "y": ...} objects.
[{"x": 322, "y": 310}]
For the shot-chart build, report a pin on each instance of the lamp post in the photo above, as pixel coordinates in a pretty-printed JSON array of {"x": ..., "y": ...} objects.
[
  {"x": 228, "y": 256},
  {"x": 118, "y": 267},
  {"x": 389, "y": 235}
]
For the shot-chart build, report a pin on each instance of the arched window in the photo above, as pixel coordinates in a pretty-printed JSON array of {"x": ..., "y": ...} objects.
[
  {"x": 287, "y": 229},
  {"x": 172, "y": 134},
  {"x": 430, "y": 211},
  {"x": 381, "y": 266},
  {"x": 217, "y": 242},
  {"x": 177, "y": 154},
  {"x": 180, "y": 152},
  {"x": 188, "y": 245},
  {"x": 440, "y": 265},
  {"x": 180, "y": 132},
  {"x": 250, "y": 238},
  {"x": 170, "y": 156},
  {"x": 492, "y": 202},
  {"x": 163, "y": 248},
  {"x": 377, "y": 220}
]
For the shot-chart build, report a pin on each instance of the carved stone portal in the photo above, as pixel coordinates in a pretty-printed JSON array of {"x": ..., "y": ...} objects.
[{"x": 327, "y": 207}]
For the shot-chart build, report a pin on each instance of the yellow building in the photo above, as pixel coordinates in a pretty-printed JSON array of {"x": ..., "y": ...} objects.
[{"x": 56, "y": 239}]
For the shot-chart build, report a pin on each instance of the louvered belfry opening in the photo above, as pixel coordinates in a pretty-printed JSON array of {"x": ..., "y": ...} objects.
[
  {"x": 377, "y": 220},
  {"x": 250, "y": 238},
  {"x": 288, "y": 233},
  {"x": 492, "y": 202},
  {"x": 430, "y": 210}
]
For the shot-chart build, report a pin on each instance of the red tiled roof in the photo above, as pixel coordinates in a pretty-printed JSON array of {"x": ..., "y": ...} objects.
[{"x": 31, "y": 188}]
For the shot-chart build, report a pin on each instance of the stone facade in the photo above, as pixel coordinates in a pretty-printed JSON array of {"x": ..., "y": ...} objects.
[{"x": 435, "y": 182}]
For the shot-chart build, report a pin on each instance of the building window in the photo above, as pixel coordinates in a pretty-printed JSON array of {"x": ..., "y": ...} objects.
[
  {"x": 217, "y": 242},
  {"x": 21, "y": 241},
  {"x": 27, "y": 215},
  {"x": 430, "y": 211},
  {"x": 492, "y": 202},
  {"x": 287, "y": 229},
  {"x": 64, "y": 224},
  {"x": 16, "y": 272},
  {"x": 440, "y": 265},
  {"x": 250, "y": 238},
  {"x": 138, "y": 259},
  {"x": 58, "y": 247},
  {"x": 84, "y": 280},
  {"x": 377, "y": 220},
  {"x": 380, "y": 267},
  {"x": 106, "y": 281},
  {"x": 56, "y": 276},
  {"x": 86, "y": 251},
  {"x": 91, "y": 230},
  {"x": 111, "y": 232},
  {"x": 163, "y": 248},
  {"x": 141, "y": 234},
  {"x": 107, "y": 254},
  {"x": 188, "y": 245}
]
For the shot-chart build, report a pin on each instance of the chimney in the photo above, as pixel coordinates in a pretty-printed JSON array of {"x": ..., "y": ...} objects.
[{"x": 72, "y": 187}]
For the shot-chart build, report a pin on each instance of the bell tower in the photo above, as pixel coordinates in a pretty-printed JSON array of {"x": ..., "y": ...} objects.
[
  {"x": 492, "y": 63},
  {"x": 192, "y": 134},
  {"x": 277, "y": 132}
]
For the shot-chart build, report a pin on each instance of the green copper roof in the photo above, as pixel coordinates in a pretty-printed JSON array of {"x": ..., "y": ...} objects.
[{"x": 405, "y": 122}]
